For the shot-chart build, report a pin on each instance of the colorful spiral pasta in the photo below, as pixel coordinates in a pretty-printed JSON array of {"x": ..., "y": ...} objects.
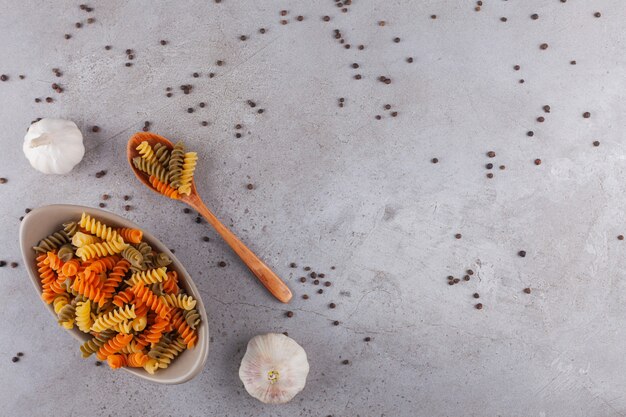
[
  {"x": 166, "y": 350},
  {"x": 101, "y": 249},
  {"x": 91, "y": 346},
  {"x": 151, "y": 169},
  {"x": 183, "y": 301},
  {"x": 162, "y": 154},
  {"x": 81, "y": 239},
  {"x": 138, "y": 315},
  {"x": 152, "y": 301},
  {"x": 83, "y": 316},
  {"x": 52, "y": 242},
  {"x": 133, "y": 256},
  {"x": 164, "y": 188},
  {"x": 113, "y": 346},
  {"x": 186, "y": 175},
  {"x": 175, "y": 166},
  {"x": 109, "y": 320},
  {"x": 130, "y": 235},
  {"x": 148, "y": 277},
  {"x": 147, "y": 153}
]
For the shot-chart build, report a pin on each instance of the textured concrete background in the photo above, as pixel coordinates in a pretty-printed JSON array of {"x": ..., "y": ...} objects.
[{"x": 336, "y": 187}]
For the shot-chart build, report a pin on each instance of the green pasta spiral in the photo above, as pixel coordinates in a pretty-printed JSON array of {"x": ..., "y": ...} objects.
[
  {"x": 161, "y": 260},
  {"x": 151, "y": 169},
  {"x": 166, "y": 350},
  {"x": 91, "y": 346},
  {"x": 176, "y": 164},
  {"x": 52, "y": 242},
  {"x": 71, "y": 228},
  {"x": 162, "y": 154},
  {"x": 192, "y": 317},
  {"x": 133, "y": 256},
  {"x": 66, "y": 252}
]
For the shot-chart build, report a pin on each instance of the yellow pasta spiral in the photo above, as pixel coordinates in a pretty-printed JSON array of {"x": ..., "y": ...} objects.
[
  {"x": 59, "y": 302},
  {"x": 186, "y": 176},
  {"x": 81, "y": 239},
  {"x": 150, "y": 276},
  {"x": 151, "y": 366},
  {"x": 94, "y": 227},
  {"x": 147, "y": 153},
  {"x": 83, "y": 316},
  {"x": 186, "y": 302},
  {"x": 101, "y": 249},
  {"x": 107, "y": 321},
  {"x": 124, "y": 327}
]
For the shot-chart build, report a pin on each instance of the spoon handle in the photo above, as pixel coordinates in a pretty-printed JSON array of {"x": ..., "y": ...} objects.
[{"x": 268, "y": 278}]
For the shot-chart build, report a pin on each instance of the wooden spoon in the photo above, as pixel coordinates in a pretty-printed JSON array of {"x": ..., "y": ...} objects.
[{"x": 268, "y": 278}]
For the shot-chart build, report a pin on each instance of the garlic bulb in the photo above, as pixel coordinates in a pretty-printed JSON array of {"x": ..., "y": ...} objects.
[
  {"x": 274, "y": 368},
  {"x": 54, "y": 146}
]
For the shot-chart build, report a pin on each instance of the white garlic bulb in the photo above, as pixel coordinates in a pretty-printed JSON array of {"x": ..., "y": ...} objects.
[
  {"x": 274, "y": 368},
  {"x": 54, "y": 146}
]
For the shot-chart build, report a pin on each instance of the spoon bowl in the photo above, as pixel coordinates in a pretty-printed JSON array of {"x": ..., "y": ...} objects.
[
  {"x": 265, "y": 275},
  {"x": 43, "y": 221}
]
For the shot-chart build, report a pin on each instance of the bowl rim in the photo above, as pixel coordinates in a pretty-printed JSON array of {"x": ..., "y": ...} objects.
[{"x": 119, "y": 221}]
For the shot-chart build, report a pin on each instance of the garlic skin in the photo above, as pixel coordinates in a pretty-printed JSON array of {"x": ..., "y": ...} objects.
[
  {"x": 53, "y": 146},
  {"x": 274, "y": 368}
]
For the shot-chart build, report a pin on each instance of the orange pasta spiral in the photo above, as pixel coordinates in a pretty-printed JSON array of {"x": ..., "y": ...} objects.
[
  {"x": 115, "y": 277},
  {"x": 130, "y": 235},
  {"x": 170, "y": 285},
  {"x": 153, "y": 333},
  {"x": 70, "y": 268},
  {"x": 54, "y": 261},
  {"x": 163, "y": 188},
  {"x": 114, "y": 345},
  {"x": 116, "y": 361},
  {"x": 89, "y": 291},
  {"x": 136, "y": 360},
  {"x": 144, "y": 294},
  {"x": 104, "y": 264},
  {"x": 47, "y": 276},
  {"x": 141, "y": 308},
  {"x": 187, "y": 333},
  {"x": 124, "y": 297}
]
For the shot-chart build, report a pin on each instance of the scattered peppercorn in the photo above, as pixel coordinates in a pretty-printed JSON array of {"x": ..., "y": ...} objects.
[
  {"x": 527, "y": 290},
  {"x": 302, "y": 279},
  {"x": 13, "y": 264},
  {"x": 221, "y": 264},
  {"x": 458, "y": 236},
  {"x": 479, "y": 306},
  {"x": 541, "y": 119},
  {"x": 476, "y": 295},
  {"x": 336, "y": 323},
  {"x": 3, "y": 263},
  {"x": 289, "y": 314},
  {"x": 491, "y": 154},
  {"x": 98, "y": 363},
  {"x": 586, "y": 115},
  {"x": 534, "y": 16},
  {"x": 537, "y": 161},
  {"x": 543, "y": 46},
  {"x": 596, "y": 143},
  {"x": 332, "y": 305},
  {"x": 15, "y": 359},
  {"x": 327, "y": 284},
  {"x": 345, "y": 362},
  {"x": 620, "y": 237},
  {"x": 530, "y": 133},
  {"x": 522, "y": 253},
  {"x": 434, "y": 160},
  {"x": 206, "y": 238},
  {"x": 127, "y": 208},
  {"x": 126, "y": 197}
]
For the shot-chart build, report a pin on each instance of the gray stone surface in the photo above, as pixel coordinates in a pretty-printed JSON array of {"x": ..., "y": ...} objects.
[{"x": 335, "y": 187}]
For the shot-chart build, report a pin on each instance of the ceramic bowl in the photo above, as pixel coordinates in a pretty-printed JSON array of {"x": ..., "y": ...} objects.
[{"x": 43, "y": 221}]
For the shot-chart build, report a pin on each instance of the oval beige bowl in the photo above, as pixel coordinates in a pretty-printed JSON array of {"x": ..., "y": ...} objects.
[{"x": 43, "y": 221}]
